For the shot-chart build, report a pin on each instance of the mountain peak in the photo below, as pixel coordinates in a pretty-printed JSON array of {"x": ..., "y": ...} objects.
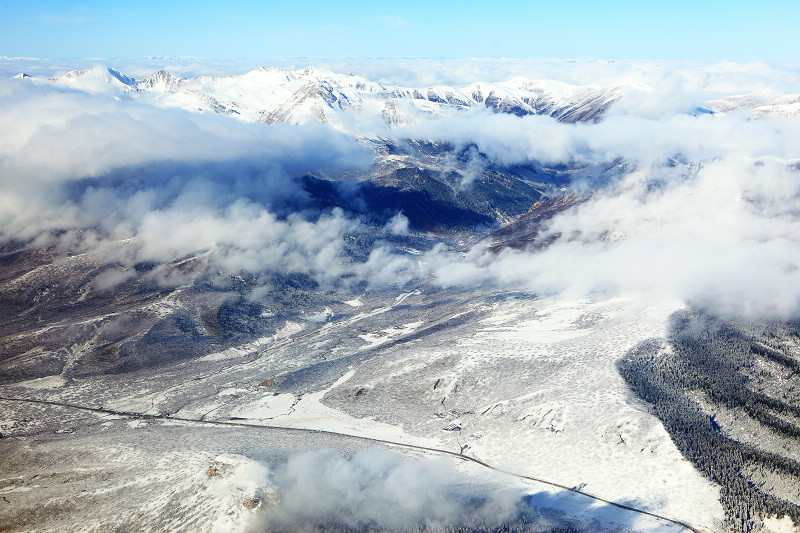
[
  {"x": 162, "y": 80},
  {"x": 121, "y": 77},
  {"x": 268, "y": 76},
  {"x": 94, "y": 79},
  {"x": 314, "y": 73}
]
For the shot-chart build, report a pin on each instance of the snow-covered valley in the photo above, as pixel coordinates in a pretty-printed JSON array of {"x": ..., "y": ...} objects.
[
  {"x": 527, "y": 385},
  {"x": 290, "y": 299}
]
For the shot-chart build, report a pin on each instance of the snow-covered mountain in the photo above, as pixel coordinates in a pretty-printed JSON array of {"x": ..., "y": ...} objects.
[
  {"x": 761, "y": 103},
  {"x": 161, "y": 81},
  {"x": 315, "y": 94},
  {"x": 97, "y": 79}
]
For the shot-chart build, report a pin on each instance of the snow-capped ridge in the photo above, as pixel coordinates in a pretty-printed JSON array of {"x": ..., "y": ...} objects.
[
  {"x": 163, "y": 81},
  {"x": 312, "y": 72},
  {"x": 317, "y": 94},
  {"x": 343, "y": 100},
  {"x": 266, "y": 76},
  {"x": 96, "y": 80},
  {"x": 765, "y": 102},
  {"x": 341, "y": 81},
  {"x": 314, "y": 100},
  {"x": 100, "y": 71}
]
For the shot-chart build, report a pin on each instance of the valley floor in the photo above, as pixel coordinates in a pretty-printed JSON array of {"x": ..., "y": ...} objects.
[{"x": 526, "y": 384}]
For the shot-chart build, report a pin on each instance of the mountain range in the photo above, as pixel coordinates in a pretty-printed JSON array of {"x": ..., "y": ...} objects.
[
  {"x": 299, "y": 96},
  {"x": 315, "y": 94}
]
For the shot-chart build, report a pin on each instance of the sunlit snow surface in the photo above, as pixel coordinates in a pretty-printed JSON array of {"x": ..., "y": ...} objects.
[{"x": 529, "y": 384}]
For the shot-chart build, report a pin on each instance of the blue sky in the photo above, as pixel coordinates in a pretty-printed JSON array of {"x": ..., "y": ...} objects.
[{"x": 647, "y": 29}]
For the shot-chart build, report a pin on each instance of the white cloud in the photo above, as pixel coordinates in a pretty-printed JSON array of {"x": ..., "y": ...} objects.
[
  {"x": 394, "y": 21},
  {"x": 377, "y": 490},
  {"x": 178, "y": 183},
  {"x": 398, "y": 224},
  {"x": 706, "y": 211},
  {"x": 725, "y": 236}
]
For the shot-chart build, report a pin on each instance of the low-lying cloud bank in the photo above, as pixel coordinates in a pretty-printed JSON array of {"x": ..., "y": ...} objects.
[
  {"x": 377, "y": 491},
  {"x": 706, "y": 212},
  {"x": 83, "y": 171},
  {"x": 724, "y": 236}
]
